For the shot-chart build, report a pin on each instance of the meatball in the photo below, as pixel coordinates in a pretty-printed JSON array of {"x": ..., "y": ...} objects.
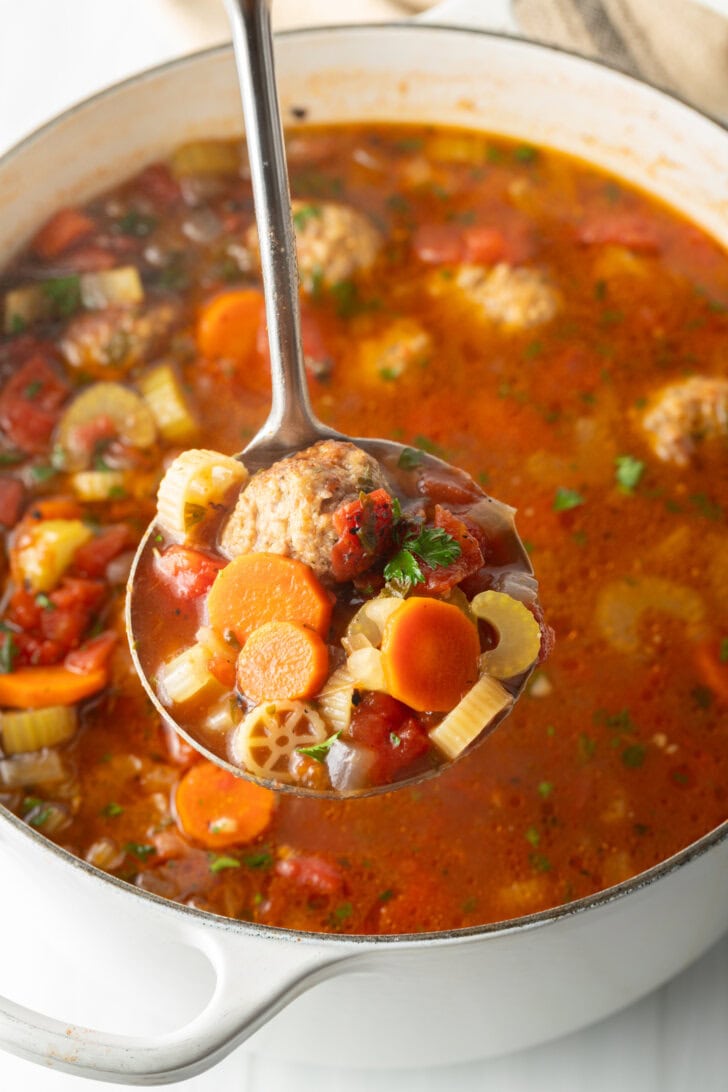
[
  {"x": 684, "y": 414},
  {"x": 109, "y": 343},
  {"x": 512, "y": 298},
  {"x": 289, "y": 508},
  {"x": 333, "y": 243}
]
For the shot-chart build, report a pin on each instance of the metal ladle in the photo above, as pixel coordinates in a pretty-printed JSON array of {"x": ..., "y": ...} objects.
[{"x": 291, "y": 425}]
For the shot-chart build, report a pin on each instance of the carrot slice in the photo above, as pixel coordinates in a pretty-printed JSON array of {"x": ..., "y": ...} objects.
[
  {"x": 282, "y": 660},
  {"x": 258, "y": 588},
  {"x": 430, "y": 654},
  {"x": 63, "y": 229},
  {"x": 228, "y": 324},
  {"x": 218, "y": 809},
  {"x": 36, "y": 687}
]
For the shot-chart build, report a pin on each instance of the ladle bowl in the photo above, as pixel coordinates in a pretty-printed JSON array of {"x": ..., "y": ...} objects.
[{"x": 291, "y": 425}]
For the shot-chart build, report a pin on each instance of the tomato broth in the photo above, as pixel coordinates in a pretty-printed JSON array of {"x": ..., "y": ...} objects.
[{"x": 556, "y": 333}]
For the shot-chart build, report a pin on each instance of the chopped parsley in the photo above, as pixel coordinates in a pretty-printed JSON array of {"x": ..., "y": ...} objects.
[
  {"x": 723, "y": 650},
  {"x": 11, "y": 458},
  {"x": 628, "y": 472},
  {"x": 33, "y": 390},
  {"x": 706, "y": 507},
  {"x": 259, "y": 861},
  {"x": 410, "y": 458},
  {"x": 634, "y": 756},
  {"x": 385, "y": 896},
  {"x": 219, "y": 864},
  {"x": 44, "y": 602},
  {"x": 565, "y": 499},
  {"x": 17, "y": 325},
  {"x": 432, "y": 545},
  {"x": 136, "y": 223},
  {"x": 395, "y": 740},
  {"x": 112, "y": 810},
  {"x": 533, "y": 837},
  {"x": 525, "y": 153},
  {"x": 139, "y": 850},
  {"x": 64, "y": 294},
  {"x": 319, "y": 751},
  {"x": 545, "y": 788},
  {"x": 341, "y": 913},
  {"x": 8, "y": 651},
  {"x": 308, "y": 212},
  {"x": 43, "y": 472}
]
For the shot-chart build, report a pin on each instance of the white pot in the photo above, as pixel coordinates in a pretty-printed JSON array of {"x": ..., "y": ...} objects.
[{"x": 203, "y": 984}]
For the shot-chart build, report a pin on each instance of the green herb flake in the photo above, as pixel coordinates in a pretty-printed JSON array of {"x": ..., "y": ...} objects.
[
  {"x": 433, "y": 545},
  {"x": 17, "y": 325},
  {"x": 539, "y": 862},
  {"x": 137, "y": 224},
  {"x": 525, "y": 153},
  {"x": 194, "y": 514},
  {"x": 470, "y": 905},
  {"x": 8, "y": 652},
  {"x": 386, "y": 896},
  {"x": 580, "y": 538},
  {"x": 64, "y": 294},
  {"x": 42, "y": 472},
  {"x": 723, "y": 650},
  {"x": 39, "y": 818},
  {"x": 44, "y": 602},
  {"x": 634, "y": 756},
  {"x": 259, "y": 861},
  {"x": 706, "y": 507},
  {"x": 395, "y": 740},
  {"x": 33, "y": 390},
  {"x": 533, "y": 836},
  {"x": 11, "y": 458},
  {"x": 600, "y": 290},
  {"x": 319, "y": 751},
  {"x": 139, "y": 850},
  {"x": 702, "y": 696},
  {"x": 587, "y": 747},
  {"x": 388, "y": 375},
  {"x": 219, "y": 864},
  {"x": 410, "y": 458},
  {"x": 545, "y": 788},
  {"x": 112, "y": 810},
  {"x": 307, "y": 212},
  {"x": 341, "y": 913},
  {"x": 628, "y": 472},
  {"x": 566, "y": 499}
]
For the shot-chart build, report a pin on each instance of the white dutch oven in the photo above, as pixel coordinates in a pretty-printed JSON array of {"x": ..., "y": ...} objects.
[{"x": 203, "y": 984}]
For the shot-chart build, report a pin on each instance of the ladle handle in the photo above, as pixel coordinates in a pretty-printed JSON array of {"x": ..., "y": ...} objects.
[{"x": 291, "y": 419}]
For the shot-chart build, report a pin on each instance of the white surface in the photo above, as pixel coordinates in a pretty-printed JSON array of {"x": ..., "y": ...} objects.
[{"x": 52, "y": 55}]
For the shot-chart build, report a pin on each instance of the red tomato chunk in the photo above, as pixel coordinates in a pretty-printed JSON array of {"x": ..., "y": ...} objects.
[
  {"x": 188, "y": 573},
  {"x": 388, "y": 727}
]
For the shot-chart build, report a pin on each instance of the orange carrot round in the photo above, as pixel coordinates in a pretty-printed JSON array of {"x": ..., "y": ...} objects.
[
  {"x": 36, "y": 687},
  {"x": 218, "y": 809},
  {"x": 282, "y": 660},
  {"x": 430, "y": 654},
  {"x": 227, "y": 325},
  {"x": 258, "y": 588}
]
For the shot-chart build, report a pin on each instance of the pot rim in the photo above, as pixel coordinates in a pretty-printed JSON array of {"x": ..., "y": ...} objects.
[{"x": 550, "y": 916}]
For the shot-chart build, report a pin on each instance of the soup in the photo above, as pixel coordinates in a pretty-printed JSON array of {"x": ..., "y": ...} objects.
[{"x": 555, "y": 333}]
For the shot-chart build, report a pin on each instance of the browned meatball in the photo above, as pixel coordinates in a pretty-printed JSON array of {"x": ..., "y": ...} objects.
[
  {"x": 289, "y": 508},
  {"x": 684, "y": 414}
]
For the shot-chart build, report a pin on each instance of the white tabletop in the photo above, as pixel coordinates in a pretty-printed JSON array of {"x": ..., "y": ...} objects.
[{"x": 52, "y": 54}]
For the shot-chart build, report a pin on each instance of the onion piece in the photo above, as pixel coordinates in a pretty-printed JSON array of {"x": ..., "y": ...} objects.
[
  {"x": 349, "y": 765},
  {"x": 32, "y": 768}
]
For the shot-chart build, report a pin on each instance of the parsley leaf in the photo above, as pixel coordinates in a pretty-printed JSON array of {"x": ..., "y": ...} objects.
[
  {"x": 564, "y": 499},
  {"x": 140, "y": 851},
  {"x": 319, "y": 751},
  {"x": 432, "y": 545},
  {"x": 64, "y": 294},
  {"x": 8, "y": 651},
  {"x": 218, "y": 864},
  {"x": 112, "y": 810},
  {"x": 410, "y": 458},
  {"x": 628, "y": 472},
  {"x": 308, "y": 212}
]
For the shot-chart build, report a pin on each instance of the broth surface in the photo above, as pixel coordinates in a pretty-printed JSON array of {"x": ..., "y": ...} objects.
[{"x": 617, "y": 756}]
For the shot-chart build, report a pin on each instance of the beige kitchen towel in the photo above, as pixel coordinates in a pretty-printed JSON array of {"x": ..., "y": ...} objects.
[{"x": 675, "y": 44}]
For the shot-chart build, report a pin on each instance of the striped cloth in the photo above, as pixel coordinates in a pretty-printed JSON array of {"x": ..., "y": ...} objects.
[{"x": 674, "y": 44}]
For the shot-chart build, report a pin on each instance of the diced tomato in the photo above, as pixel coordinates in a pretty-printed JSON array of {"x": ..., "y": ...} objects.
[
  {"x": 65, "y": 228},
  {"x": 315, "y": 873},
  {"x": 12, "y": 494},
  {"x": 92, "y": 654},
  {"x": 440, "y": 579},
  {"x": 30, "y": 404},
  {"x": 92, "y": 558},
  {"x": 451, "y": 487},
  {"x": 23, "y": 609},
  {"x": 388, "y": 728},
  {"x": 157, "y": 183},
  {"x": 77, "y": 592},
  {"x": 187, "y": 573},
  {"x": 628, "y": 229},
  {"x": 439, "y": 244},
  {"x": 364, "y": 527}
]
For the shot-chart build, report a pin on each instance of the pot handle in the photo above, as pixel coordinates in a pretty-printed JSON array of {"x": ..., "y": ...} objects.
[
  {"x": 240, "y": 1004},
  {"x": 495, "y": 15}
]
